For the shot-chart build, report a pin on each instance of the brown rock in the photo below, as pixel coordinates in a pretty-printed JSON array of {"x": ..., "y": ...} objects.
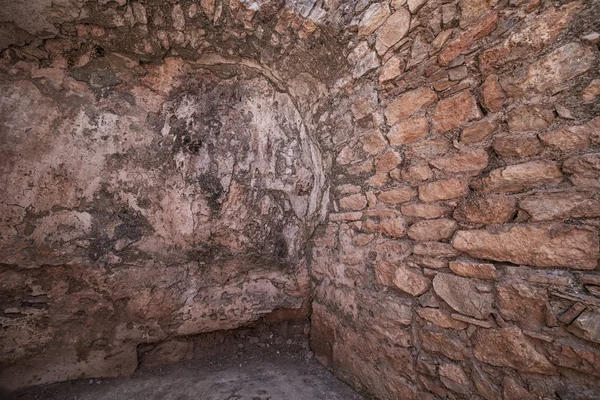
[
  {"x": 419, "y": 51},
  {"x": 516, "y": 178},
  {"x": 471, "y": 161},
  {"x": 393, "y": 227},
  {"x": 385, "y": 273},
  {"x": 454, "y": 373},
  {"x": 348, "y": 216},
  {"x": 411, "y": 280},
  {"x": 409, "y": 103},
  {"x": 443, "y": 190},
  {"x": 417, "y": 172},
  {"x": 432, "y": 230},
  {"x": 464, "y": 42},
  {"x": 573, "y": 138},
  {"x": 434, "y": 249},
  {"x": 573, "y": 312},
  {"x": 428, "y": 148},
  {"x": 394, "y": 29},
  {"x": 517, "y": 146},
  {"x": 536, "y": 34},
  {"x": 484, "y": 386},
  {"x": 421, "y": 210},
  {"x": 478, "y": 131},
  {"x": 373, "y": 18},
  {"x": 445, "y": 342},
  {"x": 534, "y": 118},
  {"x": 577, "y": 356},
  {"x": 513, "y": 391},
  {"x": 591, "y": 92},
  {"x": 553, "y": 73},
  {"x": 346, "y": 156},
  {"x": 492, "y": 95},
  {"x": 408, "y": 131},
  {"x": 545, "y": 206},
  {"x": 472, "y": 269},
  {"x": 391, "y": 69},
  {"x": 387, "y": 161},
  {"x": 440, "y": 318},
  {"x": 494, "y": 209},
  {"x": 554, "y": 245},
  {"x": 373, "y": 142},
  {"x": 462, "y": 295},
  {"x": 454, "y": 112},
  {"x": 522, "y": 303},
  {"x": 397, "y": 196},
  {"x": 508, "y": 347},
  {"x": 354, "y": 202},
  {"x": 587, "y": 326},
  {"x": 584, "y": 170}
]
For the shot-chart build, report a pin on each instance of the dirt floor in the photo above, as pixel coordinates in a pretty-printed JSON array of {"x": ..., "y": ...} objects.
[{"x": 253, "y": 371}]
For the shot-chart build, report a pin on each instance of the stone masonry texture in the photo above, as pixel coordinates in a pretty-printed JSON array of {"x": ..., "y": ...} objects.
[{"x": 418, "y": 178}]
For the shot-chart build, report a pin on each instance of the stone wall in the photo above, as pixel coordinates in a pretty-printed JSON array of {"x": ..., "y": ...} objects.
[
  {"x": 460, "y": 255},
  {"x": 421, "y": 176}
]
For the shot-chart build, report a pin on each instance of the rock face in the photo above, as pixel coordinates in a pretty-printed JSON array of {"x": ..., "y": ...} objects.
[
  {"x": 541, "y": 246},
  {"x": 508, "y": 347},
  {"x": 420, "y": 176},
  {"x": 462, "y": 295}
]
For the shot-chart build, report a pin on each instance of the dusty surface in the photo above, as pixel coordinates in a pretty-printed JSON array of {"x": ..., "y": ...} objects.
[
  {"x": 420, "y": 178},
  {"x": 262, "y": 373}
]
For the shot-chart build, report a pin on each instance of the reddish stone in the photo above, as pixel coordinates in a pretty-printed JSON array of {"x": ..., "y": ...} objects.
[
  {"x": 440, "y": 318},
  {"x": 423, "y": 210},
  {"x": 492, "y": 95},
  {"x": 444, "y": 342},
  {"x": 573, "y": 138},
  {"x": 432, "y": 230},
  {"x": 591, "y": 93},
  {"x": 387, "y": 161},
  {"x": 393, "y": 227},
  {"x": 516, "y": 178},
  {"x": 417, "y": 172},
  {"x": 535, "y": 35},
  {"x": 486, "y": 210},
  {"x": 545, "y": 206},
  {"x": 577, "y": 356},
  {"x": 462, "y": 295},
  {"x": 411, "y": 280},
  {"x": 443, "y": 190},
  {"x": 397, "y": 196},
  {"x": 523, "y": 304},
  {"x": 393, "y": 30},
  {"x": 353, "y": 202},
  {"x": 455, "y": 111},
  {"x": 409, "y": 103},
  {"x": 534, "y": 118},
  {"x": 508, "y": 347},
  {"x": 584, "y": 170},
  {"x": 517, "y": 146},
  {"x": 373, "y": 142},
  {"x": 555, "y": 71},
  {"x": 472, "y": 269},
  {"x": 554, "y": 245},
  {"x": 478, "y": 131},
  {"x": 434, "y": 249},
  {"x": 464, "y": 42},
  {"x": 408, "y": 131},
  {"x": 471, "y": 161}
]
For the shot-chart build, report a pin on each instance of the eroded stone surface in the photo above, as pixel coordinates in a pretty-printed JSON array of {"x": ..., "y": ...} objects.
[
  {"x": 462, "y": 295},
  {"x": 553, "y": 245}
]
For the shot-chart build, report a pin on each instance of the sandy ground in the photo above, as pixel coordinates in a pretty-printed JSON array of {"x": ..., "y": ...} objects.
[{"x": 251, "y": 373}]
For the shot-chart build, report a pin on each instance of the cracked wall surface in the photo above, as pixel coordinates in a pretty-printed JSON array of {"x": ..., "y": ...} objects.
[{"x": 419, "y": 177}]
